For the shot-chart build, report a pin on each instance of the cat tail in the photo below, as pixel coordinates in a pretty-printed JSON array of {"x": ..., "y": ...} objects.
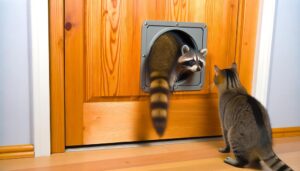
[
  {"x": 275, "y": 163},
  {"x": 159, "y": 101}
]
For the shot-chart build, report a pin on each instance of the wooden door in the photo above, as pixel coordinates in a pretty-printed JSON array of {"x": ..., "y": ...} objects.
[{"x": 103, "y": 99}]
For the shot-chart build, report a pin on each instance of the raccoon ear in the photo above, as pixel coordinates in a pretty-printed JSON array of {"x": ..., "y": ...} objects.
[
  {"x": 217, "y": 70},
  {"x": 203, "y": 52},
  {"x": 185, "y": 49},
  {"x": 234, "y": 66}
]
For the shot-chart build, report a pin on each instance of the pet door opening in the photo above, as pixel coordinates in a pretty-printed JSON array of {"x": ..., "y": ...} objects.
[{"x": 193, "y": 34}]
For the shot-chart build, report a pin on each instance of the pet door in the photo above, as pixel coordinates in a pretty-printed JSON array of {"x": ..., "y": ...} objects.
[{"x": 195, "y": 36}]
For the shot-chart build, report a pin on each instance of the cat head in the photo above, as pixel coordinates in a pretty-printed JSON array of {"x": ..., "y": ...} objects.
[
  {"x": 226, "y": 79},
  {"x": 191, "y": 60}
]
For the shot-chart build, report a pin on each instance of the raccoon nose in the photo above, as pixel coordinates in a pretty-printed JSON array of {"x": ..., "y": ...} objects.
[{"x": 198, "y": 68}]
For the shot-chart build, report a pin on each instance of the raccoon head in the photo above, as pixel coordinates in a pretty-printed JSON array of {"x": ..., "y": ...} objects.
[{"x": 191, "y": 60}]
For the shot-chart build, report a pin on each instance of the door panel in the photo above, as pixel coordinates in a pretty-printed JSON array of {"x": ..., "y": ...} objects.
[
  {"x": 125, "y": 121},
  {"x": 104, "y": 101}
]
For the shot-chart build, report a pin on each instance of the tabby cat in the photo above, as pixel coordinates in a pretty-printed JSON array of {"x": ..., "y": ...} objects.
[
  {"x": 245, "y": 123},
  {"x": 169, "y": 58}
]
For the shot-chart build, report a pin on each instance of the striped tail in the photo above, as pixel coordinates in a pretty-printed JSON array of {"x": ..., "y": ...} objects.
[
  {"x": 276, "y": 164},
  {"x": 159, "y": 98}
]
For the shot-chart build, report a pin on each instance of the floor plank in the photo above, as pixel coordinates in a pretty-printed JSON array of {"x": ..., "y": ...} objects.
[{"x": 200, "y": 154}]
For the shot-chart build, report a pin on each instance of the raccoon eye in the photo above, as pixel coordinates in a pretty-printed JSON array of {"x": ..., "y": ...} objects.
[
  {"x": 200, "y": 63},
  {"x": 192, "y": 62},
  {"x": 189, "y": 63}
]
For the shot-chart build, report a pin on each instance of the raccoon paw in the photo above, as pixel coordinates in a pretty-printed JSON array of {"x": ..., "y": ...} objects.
[{"x": 224, "y": 149}]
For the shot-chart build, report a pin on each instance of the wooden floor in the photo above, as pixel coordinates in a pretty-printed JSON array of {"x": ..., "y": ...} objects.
[{"x": 175, "y": 156}]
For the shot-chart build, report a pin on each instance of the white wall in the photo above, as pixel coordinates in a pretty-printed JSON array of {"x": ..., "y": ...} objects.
[
  {"x": 284, "y": 83},
  {"x": 15, "y": 111}
]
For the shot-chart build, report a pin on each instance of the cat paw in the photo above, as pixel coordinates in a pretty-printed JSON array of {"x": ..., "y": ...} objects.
[
  {"x": 234, "y": 162},
  {"x": 224, "y": 149}
]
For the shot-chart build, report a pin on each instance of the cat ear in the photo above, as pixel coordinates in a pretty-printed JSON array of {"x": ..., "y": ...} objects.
[
  {"x": 217, "y": 70},
  {"x": 203, "y": 52},
  {"x": 234, "y": 66},
  {"x": 185, "y": 49}
]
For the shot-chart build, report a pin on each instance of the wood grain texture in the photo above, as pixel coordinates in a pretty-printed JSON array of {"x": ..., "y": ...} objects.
[
  {"x": 102, "y": 60},
  {"x": 221, "y": 19},
  {"x": 200, "y": 154},
  {"x": 74, "y": 71},
  {"x": 16, "y": 151},
  {"x": 113, "y": 34},
  {"x": 246, "y": 40},
  {"x": 57, "y": 75},
  {"x": 190, "y": 117}
]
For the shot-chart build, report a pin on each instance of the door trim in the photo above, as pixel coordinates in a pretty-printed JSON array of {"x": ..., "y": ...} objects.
[
  {"x": 40, "y": 76},
  {"x": 245, "y": 50},
  {"x": 57, "y": 75},
  {"x": 264, "y": 50}
]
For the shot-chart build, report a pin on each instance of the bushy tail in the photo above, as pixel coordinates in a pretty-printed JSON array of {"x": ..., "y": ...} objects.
[
  {"x": 159, "y": 101},
  {"x": 276, "y": 164}
]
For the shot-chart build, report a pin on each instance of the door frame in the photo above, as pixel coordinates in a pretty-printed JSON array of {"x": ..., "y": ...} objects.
[
  {"x": 40, "y": 94},
  {"x": 248, "y": 18},
  {"x": 263, "y": 54},
  {"x": 57, "y": 75}
]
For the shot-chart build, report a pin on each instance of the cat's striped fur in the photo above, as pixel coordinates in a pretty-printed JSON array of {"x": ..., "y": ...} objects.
[
  {"x": 245, "y": 123},
  {"x": 168, "y": 58}
]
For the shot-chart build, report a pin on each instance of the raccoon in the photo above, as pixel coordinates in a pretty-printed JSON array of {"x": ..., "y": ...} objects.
[
  {"x": 169, "y": 58},
  {"x": 245, "y": 123},
  {"x": 190, "y": 61}
]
